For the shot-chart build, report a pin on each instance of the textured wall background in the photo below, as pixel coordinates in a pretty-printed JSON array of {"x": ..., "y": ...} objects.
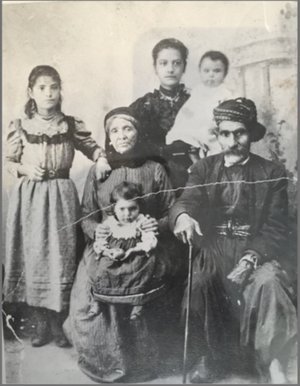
[{"x": 102, "y": 51}]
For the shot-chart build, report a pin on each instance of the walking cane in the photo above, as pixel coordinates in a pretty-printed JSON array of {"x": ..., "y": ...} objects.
[{"x": 187, "y": 314}]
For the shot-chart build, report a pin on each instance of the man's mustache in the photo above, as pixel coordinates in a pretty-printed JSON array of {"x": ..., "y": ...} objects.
[{"x": 237, "y": 149}]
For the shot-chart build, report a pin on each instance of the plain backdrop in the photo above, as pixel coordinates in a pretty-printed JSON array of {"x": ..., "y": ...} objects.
[{"x": 102, "y": 49}]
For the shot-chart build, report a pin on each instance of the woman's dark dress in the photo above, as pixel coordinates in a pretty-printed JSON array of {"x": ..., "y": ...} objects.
[
  {"x": 109, "y": 345},
  {"x": 157, "y": 111}
]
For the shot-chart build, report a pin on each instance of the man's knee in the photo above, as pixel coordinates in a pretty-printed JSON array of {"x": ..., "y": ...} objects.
[{"x": 204, "y": 280}]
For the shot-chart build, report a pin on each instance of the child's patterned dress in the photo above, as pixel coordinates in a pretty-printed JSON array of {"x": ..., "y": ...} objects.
[{"x": 131, "y": 279}]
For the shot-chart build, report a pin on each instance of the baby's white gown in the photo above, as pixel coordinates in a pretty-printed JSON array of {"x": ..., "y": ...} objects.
[{"x": 194, "y": 123}]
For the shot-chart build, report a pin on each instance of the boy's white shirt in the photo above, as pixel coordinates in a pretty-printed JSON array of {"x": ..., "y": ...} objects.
[{"x": 194, "y": 122}]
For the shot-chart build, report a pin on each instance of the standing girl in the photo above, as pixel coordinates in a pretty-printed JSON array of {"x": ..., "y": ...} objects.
[
  {"x": 157, "y": 110},
  {"x": 43, "y": 208}
]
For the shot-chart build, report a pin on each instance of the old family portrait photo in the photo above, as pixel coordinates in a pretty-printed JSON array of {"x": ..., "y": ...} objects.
[{"x": 149, "y": 192}]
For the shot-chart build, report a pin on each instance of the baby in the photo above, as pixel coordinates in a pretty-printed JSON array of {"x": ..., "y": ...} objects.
[
  {"x": 194, "y": 123},
  {"x": 126, "y": 242}
]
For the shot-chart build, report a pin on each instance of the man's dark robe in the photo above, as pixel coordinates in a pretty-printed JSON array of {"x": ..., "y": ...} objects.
[{"x": 266, "y": 315}]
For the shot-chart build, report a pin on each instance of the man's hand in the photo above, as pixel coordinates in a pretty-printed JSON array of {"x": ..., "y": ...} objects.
[
  {"x": 102, "y": 169},
  {"x": 185, "y": 227},
  {"x": 240, "y": 274}
]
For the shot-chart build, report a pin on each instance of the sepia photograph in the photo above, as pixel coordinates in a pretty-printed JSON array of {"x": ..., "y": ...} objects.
[{"x": 149, "y": 192}]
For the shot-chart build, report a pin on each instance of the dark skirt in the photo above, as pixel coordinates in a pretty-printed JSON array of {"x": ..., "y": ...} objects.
[
  {"x": 110, "y": 346},
  {"x": 136, "y": 280},
  {"x": 260, "y": 319},
  {"x": 41, "y": 243}
]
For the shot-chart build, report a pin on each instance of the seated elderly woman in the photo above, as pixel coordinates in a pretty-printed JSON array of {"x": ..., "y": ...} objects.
[{"x": 111, "y": 344}]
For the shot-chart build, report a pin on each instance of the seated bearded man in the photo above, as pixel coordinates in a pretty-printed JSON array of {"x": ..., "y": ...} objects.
[{"x": 242, "y": 305}]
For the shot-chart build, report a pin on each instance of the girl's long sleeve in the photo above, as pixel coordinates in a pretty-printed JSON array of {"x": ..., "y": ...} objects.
[
  {"x": 84, "y": 142},
  {"x": 13, "y": 149}
]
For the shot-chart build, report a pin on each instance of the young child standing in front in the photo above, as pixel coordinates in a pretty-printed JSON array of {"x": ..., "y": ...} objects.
[
  {"x": 44, "y": 206},
  {"x": 194, "y": 123}
]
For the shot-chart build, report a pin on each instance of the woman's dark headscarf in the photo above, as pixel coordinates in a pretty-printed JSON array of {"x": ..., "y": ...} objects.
[{"x": 135, "y": 157}]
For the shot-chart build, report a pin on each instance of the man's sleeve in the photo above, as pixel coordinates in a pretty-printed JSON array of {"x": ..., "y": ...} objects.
[
  {"x": 270, "y": 241},
  {"x": 192, "y": 199}
]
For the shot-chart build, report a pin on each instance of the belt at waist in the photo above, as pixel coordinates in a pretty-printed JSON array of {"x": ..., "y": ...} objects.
[
  {"x": 52, "y": 174},
  {"x": 232, "y": 228}
]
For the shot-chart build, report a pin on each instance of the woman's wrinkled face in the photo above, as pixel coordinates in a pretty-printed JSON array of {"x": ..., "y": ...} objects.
[
  {"x": 122, "y": 134},
  {"x": 126, "y": 211}
]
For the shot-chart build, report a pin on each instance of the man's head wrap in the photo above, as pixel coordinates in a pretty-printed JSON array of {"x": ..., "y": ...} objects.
[{"x": 240, "y": 110}]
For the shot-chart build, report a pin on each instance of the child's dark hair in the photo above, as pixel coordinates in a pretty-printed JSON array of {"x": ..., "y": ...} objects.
[
  {"x": 216, "y": 55},
  {"x": 170, "y": 43},
  {"x": 42, "y": 70},
  {"x": 127, "y": 191}
]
